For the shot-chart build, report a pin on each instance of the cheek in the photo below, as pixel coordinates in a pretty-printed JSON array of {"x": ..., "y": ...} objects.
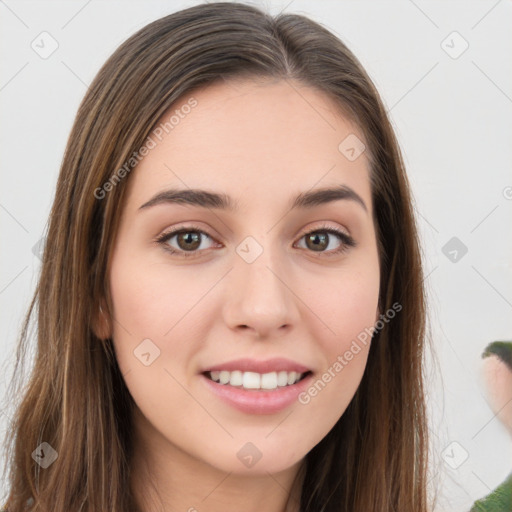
[
  {"x": 347, "y": 309},
  {"x": 346, "y": 306},
  {"x": 152, "y": 301},
  {"x": 155, "y": 330}
]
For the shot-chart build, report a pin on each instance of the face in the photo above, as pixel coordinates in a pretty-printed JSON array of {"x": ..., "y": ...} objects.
[
  {"x": 498, "y": 380},
  {"x": 262, "y": 280}
]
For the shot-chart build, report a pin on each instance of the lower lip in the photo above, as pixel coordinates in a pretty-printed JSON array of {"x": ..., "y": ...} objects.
[{"x": 256, "y": 401}]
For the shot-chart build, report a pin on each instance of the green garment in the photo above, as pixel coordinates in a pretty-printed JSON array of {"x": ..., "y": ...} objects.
[{"x": 499, "y": 500}]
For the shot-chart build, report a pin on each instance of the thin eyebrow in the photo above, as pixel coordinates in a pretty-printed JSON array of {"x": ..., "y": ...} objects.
[{"x": 206, "y": 199}]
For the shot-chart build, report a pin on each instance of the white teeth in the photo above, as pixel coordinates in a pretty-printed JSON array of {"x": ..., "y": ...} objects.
[
  {"x": 250, "y": 380},
  {"x": 269, "y": 380},
  {"x": 236, "y": 378},
  {"x": 253, "y": 380},
  {"x": 291, "y": 377},
  {"x": 282, "y": 378}
]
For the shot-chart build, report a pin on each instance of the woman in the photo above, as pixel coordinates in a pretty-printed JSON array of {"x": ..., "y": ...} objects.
[{"x": 231, "y": 293}]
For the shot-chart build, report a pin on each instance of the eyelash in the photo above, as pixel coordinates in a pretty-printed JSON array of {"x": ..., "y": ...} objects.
[{"x": 347, "y": 241}]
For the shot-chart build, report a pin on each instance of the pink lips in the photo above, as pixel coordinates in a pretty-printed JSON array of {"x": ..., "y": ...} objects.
[
  {"x": 255, "y": 401},
  {"x": 258, "y": 401},
  {"x": 277, "y": 364}
]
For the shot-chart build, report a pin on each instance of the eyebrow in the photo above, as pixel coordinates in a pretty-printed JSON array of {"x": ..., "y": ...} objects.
[{"x": 207, "y": 199}]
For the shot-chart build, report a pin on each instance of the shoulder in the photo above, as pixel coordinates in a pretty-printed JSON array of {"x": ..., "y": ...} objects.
[{"x": 499, "y": 500}]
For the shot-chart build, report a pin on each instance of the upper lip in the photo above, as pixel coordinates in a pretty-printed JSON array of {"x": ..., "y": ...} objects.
[{"x": 277, "y": 364}]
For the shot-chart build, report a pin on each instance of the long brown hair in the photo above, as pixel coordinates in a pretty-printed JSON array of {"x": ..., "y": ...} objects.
[{"x": 375, "y": 457}]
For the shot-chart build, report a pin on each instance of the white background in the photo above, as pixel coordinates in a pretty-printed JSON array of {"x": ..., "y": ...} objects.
[{"x": 453, "y": 118}]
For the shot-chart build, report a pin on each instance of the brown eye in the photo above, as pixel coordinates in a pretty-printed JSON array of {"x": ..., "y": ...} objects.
[
  {"x": 188, "y": 240},
  {"x": 327, "y": 241},
  {"x": 317, "y": 241}
]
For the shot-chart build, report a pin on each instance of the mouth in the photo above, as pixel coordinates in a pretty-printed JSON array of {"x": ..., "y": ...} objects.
[
  {"x": 257, "y": 393},
  {"x": 256, "y": 381}
]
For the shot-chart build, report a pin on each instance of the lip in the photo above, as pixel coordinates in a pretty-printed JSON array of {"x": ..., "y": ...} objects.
[
  {"x": 277, "y": 364},
  {"x": 255, "y": 401}
]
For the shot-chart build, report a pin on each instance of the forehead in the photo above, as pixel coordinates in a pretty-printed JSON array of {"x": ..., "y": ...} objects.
[{"x": 251, "y": 139}]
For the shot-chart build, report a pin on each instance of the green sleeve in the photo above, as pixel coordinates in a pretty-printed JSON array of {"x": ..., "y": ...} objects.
[{"x": 499, "y": 500}]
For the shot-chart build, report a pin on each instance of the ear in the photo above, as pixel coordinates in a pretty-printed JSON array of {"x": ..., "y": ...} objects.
[{"x": 101, "y": 324}]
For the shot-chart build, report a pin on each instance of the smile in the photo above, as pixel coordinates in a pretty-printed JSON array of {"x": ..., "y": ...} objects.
[{"x": 253, "y": 380}]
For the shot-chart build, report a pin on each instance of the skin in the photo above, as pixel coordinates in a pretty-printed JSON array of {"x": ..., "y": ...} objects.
[
  {"x": 498, "y": 382},
  {"x": 261, "y": 143}
]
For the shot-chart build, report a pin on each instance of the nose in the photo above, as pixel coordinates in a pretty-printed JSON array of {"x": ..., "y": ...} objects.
[{"x": 260, "y": 297}]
